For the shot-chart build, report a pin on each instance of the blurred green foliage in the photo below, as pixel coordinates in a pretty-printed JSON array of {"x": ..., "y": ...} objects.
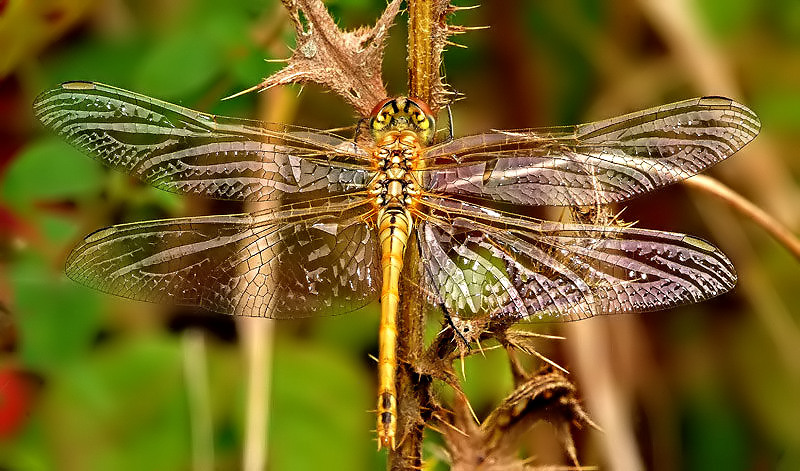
[{"x": 113, "y": 394}]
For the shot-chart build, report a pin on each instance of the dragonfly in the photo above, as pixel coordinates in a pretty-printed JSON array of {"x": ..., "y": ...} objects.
[{"x": 345, "y": 210}]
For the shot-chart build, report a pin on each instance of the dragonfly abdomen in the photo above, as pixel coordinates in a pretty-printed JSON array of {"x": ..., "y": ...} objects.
[
  {"x": 394, "y": 227},
  {"x": 394, "y": 190}
]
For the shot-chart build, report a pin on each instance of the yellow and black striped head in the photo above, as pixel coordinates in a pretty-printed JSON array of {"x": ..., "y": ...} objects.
[{"x": 401, "y": 114}]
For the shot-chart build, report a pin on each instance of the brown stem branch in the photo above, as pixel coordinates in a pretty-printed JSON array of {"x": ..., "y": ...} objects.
[
  {"x": 412, "y": 392},
  {"x": 773, "y": 227},
  {"x": 420, "y": 53},
  {"x": 428, "y": 31}
]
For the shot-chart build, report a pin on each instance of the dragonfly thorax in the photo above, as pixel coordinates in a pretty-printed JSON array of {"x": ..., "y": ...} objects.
[{"x": 396, "y": 156}]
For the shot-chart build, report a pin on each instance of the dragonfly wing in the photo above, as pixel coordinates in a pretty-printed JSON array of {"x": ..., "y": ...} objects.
[
  {"x": 602, "y": 162},
  {"x": 285, "y": 263},
  {"x": 546, "y": 271},
  {"x": 186, "y": 151}
]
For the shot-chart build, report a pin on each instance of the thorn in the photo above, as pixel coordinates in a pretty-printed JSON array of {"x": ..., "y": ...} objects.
[
  {"x": 458, "y": 29},
  {"x": 472, "y": 411},
  {"x": 258, "y": 87},
  {"x": 493, "y": 347},
  {"x": 454, "y": 8},
  {"x": 526, "y": 333},
  {"x": 434, "y": 428},
  {"x": 480, "y": 349},
  {"x": 373, "y": 358},
  {"x": 549, "y": 361},
  {"x": 448, "y": 424},
  {"x": 277, "y": 60},
  {"x": 451, "y": 43}
]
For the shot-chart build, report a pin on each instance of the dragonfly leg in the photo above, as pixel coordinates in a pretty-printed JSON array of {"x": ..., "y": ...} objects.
[{"x": 450, "y": 123}]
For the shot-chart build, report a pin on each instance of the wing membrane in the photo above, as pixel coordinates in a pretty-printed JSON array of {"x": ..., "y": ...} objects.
[
  {"x": 186, "y": 151},
  {"x": 546, "y": 271},
  {"x": 602, "y": 162},
  {"x": 286, "y": 263}
]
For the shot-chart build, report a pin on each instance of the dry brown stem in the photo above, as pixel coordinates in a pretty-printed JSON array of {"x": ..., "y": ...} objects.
[
  {"x": 738, "y": 202},
  {"x": 547, "y": 395},
  {"x": 428, "y": 33},
  {"x": 413, "y": 392}
]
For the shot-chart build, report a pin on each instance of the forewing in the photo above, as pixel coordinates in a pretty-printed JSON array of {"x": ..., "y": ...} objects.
[
  {"x": 602, "y": 162},
  {"x": 544, "y": 271},
  {"x": 285, "y": 263},
  {"x": 186, "y": 151}
]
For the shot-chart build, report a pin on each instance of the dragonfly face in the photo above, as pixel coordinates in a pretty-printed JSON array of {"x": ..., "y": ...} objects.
[
  {"x": 336, "y": 241},
  {"x": 402, "y": 114}
]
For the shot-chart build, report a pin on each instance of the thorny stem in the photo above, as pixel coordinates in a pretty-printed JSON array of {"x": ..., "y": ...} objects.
[
  {"x": 421, "y": 59},
  {"x": 411, "y": 395}
]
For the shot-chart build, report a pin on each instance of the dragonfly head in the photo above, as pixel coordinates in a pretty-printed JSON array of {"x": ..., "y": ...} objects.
[{"x": 401, "y": 114}]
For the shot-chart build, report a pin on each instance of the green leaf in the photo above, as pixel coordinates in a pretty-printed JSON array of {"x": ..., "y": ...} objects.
[
  {"x": 320, "y": 403},
  {"x": 58, "y": 319},
  {"x": 126, "y": 408},
  {"x": 715, "y": 437},
  {"x": 58, "y": 229},
  {"x": 50, "y": 169},
  {"x": 108, "y": 61},
  {"x": 726, "y": 18},
  {"x": 179, "y": 67}
]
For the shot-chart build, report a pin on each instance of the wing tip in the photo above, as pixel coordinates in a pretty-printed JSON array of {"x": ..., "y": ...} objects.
[
  {"x": 98, "y": 235},
  {"x": 726, "y": 270},
  {"x": 78, "y": 85},
  {"x": 753, "y": 125},
  {"x": 40, "y": 103}
]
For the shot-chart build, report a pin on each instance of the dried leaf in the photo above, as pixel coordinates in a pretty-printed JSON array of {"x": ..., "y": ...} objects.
[
  {"x": 346, "y": 62},
  {"x": 547, "y": 396}
]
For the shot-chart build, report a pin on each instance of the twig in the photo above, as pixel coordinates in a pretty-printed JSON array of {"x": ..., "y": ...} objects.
[
  {"x": 428, "y": 33},
  {"x": 257, "y": 337},
  {"x": 420, "y": 54},
  {"x": 773, "y": 227},
  {"x": 275, "y": 105},
  {"x": 195, "y": 372},
  {"x": 410, "y": 396}
]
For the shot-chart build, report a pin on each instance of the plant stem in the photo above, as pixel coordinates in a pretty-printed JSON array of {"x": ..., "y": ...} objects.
[
  {"x": 773, "y": 227},
  {"x": 199, "y": 400},
  {"x": 412, "y": 391},
  {"x": 422, "y": 62}
]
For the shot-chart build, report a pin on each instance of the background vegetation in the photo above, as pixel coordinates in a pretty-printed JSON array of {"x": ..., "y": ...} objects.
[{"x": 88, "y": 381}]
